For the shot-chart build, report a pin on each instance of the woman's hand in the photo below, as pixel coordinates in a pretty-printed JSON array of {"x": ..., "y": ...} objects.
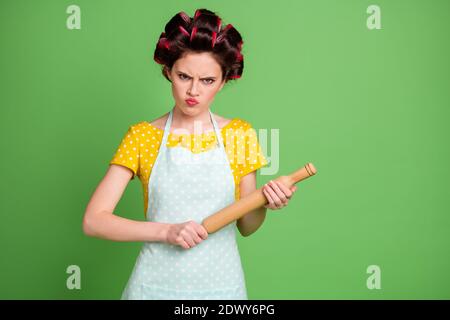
[
  {"x": 277, "y": 194},
  {"x": 187, "y": 234}
]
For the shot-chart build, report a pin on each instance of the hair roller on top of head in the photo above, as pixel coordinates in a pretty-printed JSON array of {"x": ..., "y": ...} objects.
[
  {"x": 183, "y": 30},
  {"x": 197, "y": 13},
  {"x": 214, "y": 36},
  {"x": 204, "y": 32},
  {"x": 185, "y": 17},
  {"x": 223, "y": 33},
  {"x": 163, "y": 42},
  {"x": 227, "y": 27},
  {"x": 194, "y": 31},
  {"x": 239, "y": 57},
  {"x": 219, "y": 24},
  {"x": 240, "y": 45}
]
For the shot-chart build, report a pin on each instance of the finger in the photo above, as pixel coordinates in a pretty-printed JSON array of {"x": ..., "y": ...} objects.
[
  {"x": 190, "y": 242},
  {"x": 276, "y": 199},
  {"x": 287, "y": 192},
  {"x": 269, "y": 198},
  {"x": 281, "y": 196},
  {"x": 197, "y": 239},
  {"x": 188, "y": 238},
  {"x": 184, "y": 244},
  {"x": 194, "y": 236},
  {"x": 293, "y": 189},
  {"x": 202, "y": 232}
]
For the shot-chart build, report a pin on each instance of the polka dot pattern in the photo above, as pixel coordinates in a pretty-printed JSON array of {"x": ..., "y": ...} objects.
[
  {"x": 140, "y": 146},
  {"x": 181, "y": 191}
]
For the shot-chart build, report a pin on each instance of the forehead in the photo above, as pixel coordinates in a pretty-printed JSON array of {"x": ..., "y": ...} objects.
[{"x": 198, "y": 64}]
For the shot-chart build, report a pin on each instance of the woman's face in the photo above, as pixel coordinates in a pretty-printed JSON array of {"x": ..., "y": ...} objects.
[{"x": 195, "y": 76}]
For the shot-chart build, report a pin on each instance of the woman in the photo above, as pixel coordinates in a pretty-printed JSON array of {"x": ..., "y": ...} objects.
[{"x": 179, "y": 260}]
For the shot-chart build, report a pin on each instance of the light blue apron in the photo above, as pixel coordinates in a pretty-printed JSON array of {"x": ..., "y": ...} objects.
[{"x": 187, "y": 186}]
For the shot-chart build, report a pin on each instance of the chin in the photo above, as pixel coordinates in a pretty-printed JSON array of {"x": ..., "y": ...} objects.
[{"x": 192, "y": 110}]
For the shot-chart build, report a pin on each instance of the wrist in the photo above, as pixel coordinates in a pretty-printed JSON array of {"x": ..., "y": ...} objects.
[{"x": 163, "y": 232}]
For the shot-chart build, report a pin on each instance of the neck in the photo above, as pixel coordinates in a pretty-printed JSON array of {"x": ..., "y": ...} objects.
[{"x": 187, "y": 122}]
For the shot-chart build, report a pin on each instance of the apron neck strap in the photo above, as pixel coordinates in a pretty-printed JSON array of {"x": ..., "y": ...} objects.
[
  {"x": 217, "y": 130},
  {"x": 167, "y": 128}
]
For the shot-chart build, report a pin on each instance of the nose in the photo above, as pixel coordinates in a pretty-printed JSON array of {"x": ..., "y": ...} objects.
[{"x": 193, "y": 90}]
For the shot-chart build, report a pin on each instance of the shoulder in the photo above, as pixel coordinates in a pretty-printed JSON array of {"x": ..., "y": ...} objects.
[
  {"x": 143, "y": 131},
  {"x": 222, "y": 122},
  {"x": 152, "y": 126},
  {"x": 138, "y": 127},
  {"x": 158, "y": 123},
  {"x": 237, "y": 124},
  {"x": 233, "y": 123}
]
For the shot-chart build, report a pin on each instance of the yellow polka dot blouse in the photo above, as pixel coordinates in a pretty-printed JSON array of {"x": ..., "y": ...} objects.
[{"x": 140, "y": 144}]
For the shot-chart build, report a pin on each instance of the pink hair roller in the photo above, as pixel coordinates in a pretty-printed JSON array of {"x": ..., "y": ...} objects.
[
  {"x": 185, "y": 17},
  {"x": 163, "y": 43},
  {"x": 194, "y": 31},
  {"x": 214, "y": 36},
  {"x": 183, "y": 30},
  {"x": 197, "y": 13}
]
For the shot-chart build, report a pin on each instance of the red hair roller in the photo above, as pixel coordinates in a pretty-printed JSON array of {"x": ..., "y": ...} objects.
[
  {"x": 185, "y": 17},
  {"x": 197, "y": 13},
  {"x": 194, "y": 31},
  {"x": 228, "y": 26},
  {"x": 240, "y": 45},
  {"x": 223, "y": 32},
  {"x": 219, "y": 23},
  {"x": 183, "y": 30},
  {"x": 163, "y": 43},
  {"x": 214, "y": 36}
]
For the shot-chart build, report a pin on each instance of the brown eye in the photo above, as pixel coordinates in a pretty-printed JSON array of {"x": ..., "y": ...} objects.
[{"x": 212, "y": 81}]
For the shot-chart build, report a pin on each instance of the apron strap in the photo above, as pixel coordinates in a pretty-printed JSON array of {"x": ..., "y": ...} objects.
[
  {"x": 169, "y": 123},
  {"x": 167, "y": 129},
  {"x": 217, "y": 130}
]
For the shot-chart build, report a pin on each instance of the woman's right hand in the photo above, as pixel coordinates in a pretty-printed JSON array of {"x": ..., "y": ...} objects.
[{"x": 187, "y": 234}]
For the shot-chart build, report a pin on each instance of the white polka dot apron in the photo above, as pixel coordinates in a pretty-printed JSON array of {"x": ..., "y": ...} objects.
[{"x": 187, "y": 186}]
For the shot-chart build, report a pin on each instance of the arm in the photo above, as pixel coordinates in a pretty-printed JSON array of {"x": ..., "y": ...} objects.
[
  {"x": 100, "y": 221},
  {"x": 277, "y": 196},
  {"x": 250, "y": 222}
]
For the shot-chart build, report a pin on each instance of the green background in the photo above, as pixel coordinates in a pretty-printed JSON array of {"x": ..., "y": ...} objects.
[{"x": 368, "y": 107}]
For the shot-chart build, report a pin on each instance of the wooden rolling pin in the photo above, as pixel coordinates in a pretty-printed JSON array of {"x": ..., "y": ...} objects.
[{"x": 252, "y": 201}]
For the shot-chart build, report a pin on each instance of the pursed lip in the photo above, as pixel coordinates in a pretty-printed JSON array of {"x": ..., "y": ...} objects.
[{"x": 191, "y": 101}]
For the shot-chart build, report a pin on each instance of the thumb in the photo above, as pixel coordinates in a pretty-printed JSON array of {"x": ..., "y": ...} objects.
[{"x": 293, "y": 188}]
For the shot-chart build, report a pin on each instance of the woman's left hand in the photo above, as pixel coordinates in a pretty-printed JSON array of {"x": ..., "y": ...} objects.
[{"x": 277, "y": 194}]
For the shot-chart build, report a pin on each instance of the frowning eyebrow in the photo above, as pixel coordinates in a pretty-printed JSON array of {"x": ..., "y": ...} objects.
[{"x": 186, "y": 74}]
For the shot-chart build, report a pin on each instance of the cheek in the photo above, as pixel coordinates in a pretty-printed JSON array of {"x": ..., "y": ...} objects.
[
  {"x": 178, "y": 90},
  {"x": 211, "y": 93}
]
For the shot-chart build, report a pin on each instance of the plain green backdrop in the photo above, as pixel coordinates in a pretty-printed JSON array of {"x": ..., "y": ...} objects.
[{"x": 368, "y": 107}]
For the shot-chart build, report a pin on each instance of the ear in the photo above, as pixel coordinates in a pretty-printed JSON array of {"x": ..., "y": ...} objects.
[{"x": 167, "y": 71}]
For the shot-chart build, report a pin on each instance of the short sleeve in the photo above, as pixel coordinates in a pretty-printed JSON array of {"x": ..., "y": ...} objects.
[
  {"x": 245, "y": 150},
  {"x": 254, "y": 155},
  {"x": 127, "y": 153}
]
